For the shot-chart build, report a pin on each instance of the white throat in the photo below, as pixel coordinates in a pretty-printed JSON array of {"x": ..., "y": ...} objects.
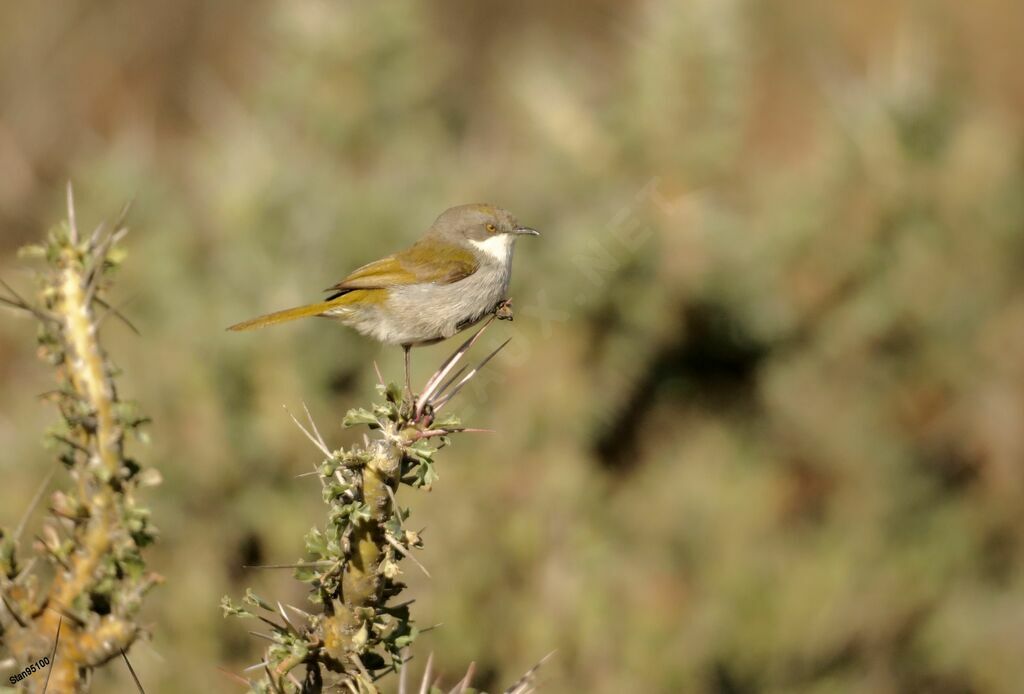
[{"x": 498, "y": 247}]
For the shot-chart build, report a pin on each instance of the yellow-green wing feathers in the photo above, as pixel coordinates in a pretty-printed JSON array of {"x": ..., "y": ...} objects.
[
  {"x": 437, "y": 263},
  {"x": 423, "y": 263}
]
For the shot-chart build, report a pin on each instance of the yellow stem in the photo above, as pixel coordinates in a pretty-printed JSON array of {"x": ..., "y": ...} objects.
[
  {"x": 82, "y": 648},
  {"x": 361, "y": 580}
]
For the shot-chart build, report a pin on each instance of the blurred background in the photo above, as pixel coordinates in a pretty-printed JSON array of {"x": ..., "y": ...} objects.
[{"x": 761, "y": 424}]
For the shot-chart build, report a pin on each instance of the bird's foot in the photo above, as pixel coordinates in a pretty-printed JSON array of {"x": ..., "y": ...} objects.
[{"x": 503, "y": 311}]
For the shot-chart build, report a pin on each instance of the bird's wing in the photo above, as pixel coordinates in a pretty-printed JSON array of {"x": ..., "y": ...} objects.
[
  {"x": 436, "y": 263},
  {"x": 440, "y": 263}
]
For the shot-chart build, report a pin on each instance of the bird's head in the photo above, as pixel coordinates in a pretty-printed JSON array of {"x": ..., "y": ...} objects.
[{"x": 487, "y": 229}]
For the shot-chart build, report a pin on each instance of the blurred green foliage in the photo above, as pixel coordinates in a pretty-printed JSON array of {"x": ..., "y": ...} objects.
[{"x": 760, "y": 424}]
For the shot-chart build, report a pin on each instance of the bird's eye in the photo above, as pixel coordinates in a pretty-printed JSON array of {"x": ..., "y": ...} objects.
[{"x": 491, "y": 228}]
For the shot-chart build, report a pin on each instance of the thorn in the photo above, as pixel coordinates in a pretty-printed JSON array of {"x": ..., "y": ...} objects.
[
  {"x": 298, "y": 611},
  {"x": 397, "y": 545},
  {"x": 461, "y": 384},
  {"x": 65, "y": 440},
  {"x": 523, "y": 684},
  {"x": 450, "y": 381},
  {"x": 53, "y": 553},
  {"x": 33, "y": 504},
  {"x": 432, "y": 384},
  {"x": 135, "y": 677},
  {"x": 427, "y": 672},
  {"x": 236, "y": 677},
  {"x": 362, "y": 668},
  {"x": 119, "y": 235},
  {"x": 17, "y": 617},
  {"x": 380, "y": 379},
  {"x": 297, "y": 565},
  {"x": 99, "y": 256},
  {"x": 284, "y": 616},
  {"x": 72, "y": 221},
  {"x": 68, "y": 615},
  {"x": 20, "y": 303},
  {"x": 26, "y": 570},
  {"x": 270, "y": 678},
  {"x": 318, "y": 444},
  {"x": 431, "y": 433},
  {"x": 272, "y": 624},
  {"x": 100, "y": 228},
  {"x": 312, "y": 424},
  {"x": 394, "y": 505},
  {"x": 116, "y": 312},
  {"x": 403, "y": 673},
  {"x": 56, "y": 639},
  {"x": 122, "y": 216},
  {"x": 460, "y": 688},
  {"x": 11, "y": 303}
]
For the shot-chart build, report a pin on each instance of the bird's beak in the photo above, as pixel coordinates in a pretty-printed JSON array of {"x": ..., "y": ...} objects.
[{"x": 525, "y": 231}]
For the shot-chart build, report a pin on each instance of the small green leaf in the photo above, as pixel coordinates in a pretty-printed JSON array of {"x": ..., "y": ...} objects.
[
  {"x": 334, "y": 490},
  {"x": 327, "y": 468},
  {"x": 116, "y": 255},
  {"x": 449, "y": 421},
  {"x": 132, "y": 564},
  {"x": 357, "y": 512},
  {"x": 358, "y": 416},
  {"x": 232, "y": 610},
  {"x": 316, "y": 543},
  {"x": 423, "y": 475},
  {"x": 256, "y": 601},
  {"x": 360, "y": 638},
  {"x": 393, "y": 526},
  {"x": 421, "y": 450},
  {"x": 32, "y": 251},
  {"x": 306, "y": 574},
  {"x": 393, "y": 393},
  {"x": 407, "y": 639}
]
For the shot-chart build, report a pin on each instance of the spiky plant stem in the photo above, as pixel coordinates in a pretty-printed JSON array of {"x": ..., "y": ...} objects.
[
  {"x": 359, "y": 633},
  {"x": 361, "y": 579},
  {"x": 95, "y": 532}
]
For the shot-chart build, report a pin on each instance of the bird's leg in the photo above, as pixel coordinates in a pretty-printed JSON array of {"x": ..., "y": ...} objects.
[{"x": 408, "y": 378}]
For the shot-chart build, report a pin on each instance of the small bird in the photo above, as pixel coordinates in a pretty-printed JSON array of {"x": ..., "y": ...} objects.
[{"x": 456, "y": 274}]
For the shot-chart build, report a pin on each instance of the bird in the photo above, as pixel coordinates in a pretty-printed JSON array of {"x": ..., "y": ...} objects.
[{"x": 454, "y": 275}]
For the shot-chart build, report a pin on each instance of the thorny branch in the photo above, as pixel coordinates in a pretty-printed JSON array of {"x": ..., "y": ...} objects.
[{"x": 96, "y": 530}]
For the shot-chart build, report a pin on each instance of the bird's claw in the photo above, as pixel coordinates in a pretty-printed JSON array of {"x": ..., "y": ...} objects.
[{"x": 503, "y": 311}]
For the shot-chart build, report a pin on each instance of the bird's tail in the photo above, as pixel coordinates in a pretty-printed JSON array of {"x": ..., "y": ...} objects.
[{"x": 286, "y": 315}]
